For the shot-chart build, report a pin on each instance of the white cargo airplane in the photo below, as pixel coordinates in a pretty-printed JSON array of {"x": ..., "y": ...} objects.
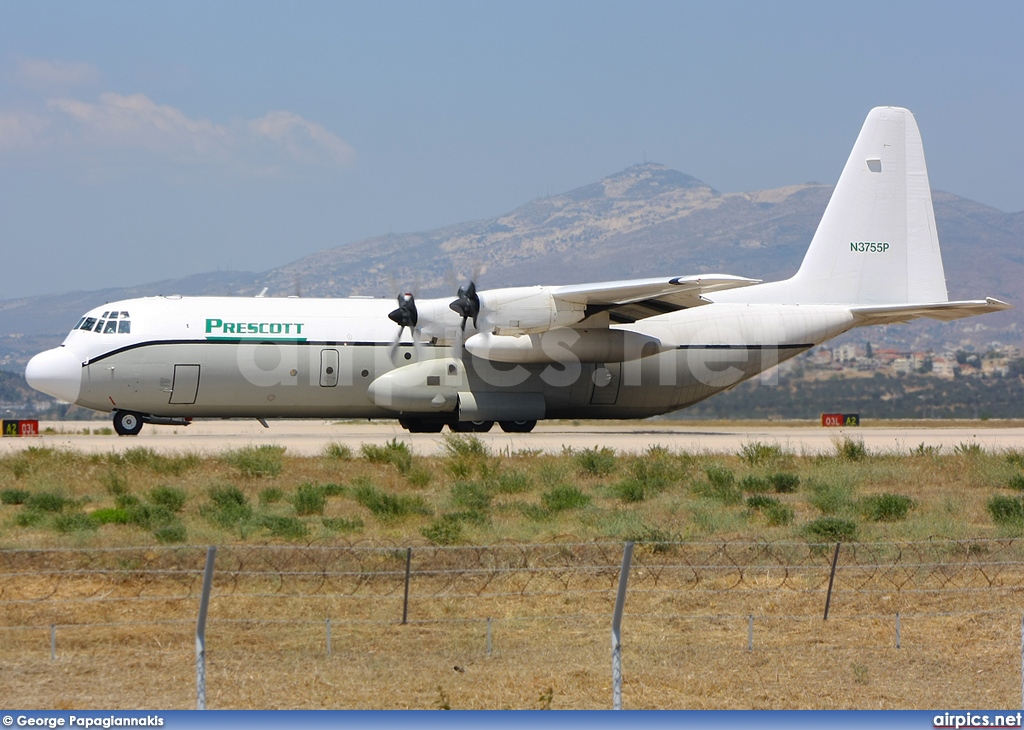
[{"x": 621, "y": 349}]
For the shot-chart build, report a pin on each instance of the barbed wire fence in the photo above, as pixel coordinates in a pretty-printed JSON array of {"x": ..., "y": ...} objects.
[{"x": 289, "y": 601}]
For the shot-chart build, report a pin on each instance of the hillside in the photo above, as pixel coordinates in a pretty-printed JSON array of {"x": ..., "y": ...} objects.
[{"x": 647, "y": 220}]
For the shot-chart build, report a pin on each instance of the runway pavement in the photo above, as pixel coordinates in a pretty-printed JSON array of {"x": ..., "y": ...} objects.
[{"x": 309, "y": 438}]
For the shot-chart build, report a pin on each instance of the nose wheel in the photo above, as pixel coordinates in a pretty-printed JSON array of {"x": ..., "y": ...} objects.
[{"x": 127, "y": 423}]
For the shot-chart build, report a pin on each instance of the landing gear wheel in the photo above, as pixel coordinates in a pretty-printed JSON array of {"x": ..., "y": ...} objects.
[
  {"x": 421, "y": 426},
  {"x": 482, "y": 426},
  {"x": 127, "y": 423},
  {"x": 461, "y": 426},
  {"x": 517, "y": 426}
]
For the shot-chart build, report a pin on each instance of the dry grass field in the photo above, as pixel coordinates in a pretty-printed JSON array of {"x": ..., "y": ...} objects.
[{"x": 110, "y": 547}]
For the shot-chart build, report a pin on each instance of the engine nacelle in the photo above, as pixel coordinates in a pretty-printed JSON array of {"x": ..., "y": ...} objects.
[
  {"x": 564, "y": 345},
  {"x": 526, "y": 310},
  {"x": 431, "y": 386}
]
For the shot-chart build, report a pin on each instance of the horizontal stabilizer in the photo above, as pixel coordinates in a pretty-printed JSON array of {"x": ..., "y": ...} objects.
[{"x": 943, "y": 311}]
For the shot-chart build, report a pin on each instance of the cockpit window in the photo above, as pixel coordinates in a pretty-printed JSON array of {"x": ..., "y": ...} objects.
[{"x": 111, "y": 323}]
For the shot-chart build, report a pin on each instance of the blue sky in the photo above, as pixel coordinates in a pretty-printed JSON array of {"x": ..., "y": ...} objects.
[{"x": 142, "y": 141}]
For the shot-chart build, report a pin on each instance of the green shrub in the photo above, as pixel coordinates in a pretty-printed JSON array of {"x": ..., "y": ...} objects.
[
  {"x": 564, "y": 497},
  {"x": 784, "y": 482},
  {"x": 172, "y": 532},
  {"x": 886, "y": 507},
  {"x": 110, "y": 516},
  {"x": 30, "y": 518},
  {"x": 1016, "y": 481},
  {"x": 720, "y": 485},
  {"x": 389, "y": 507},
  {"x": 418, "y": 476},
  {"x": 115, "y": 483},
  {"x": 446, "y": 530},
  {"x": 170, "y": 497},
  {"x": 14, "y": 496},
  {"x": 752, "y": 484},
  {"x": 778, "y": 514},
  {"x": 126, "y": 501},
  {"x": 1006, "y": 511},
  {"x": 46, "y": 502},
  {"x": 393, "y": 452},
  {"x": 338, "y": 452},
  {"x": 598, "y": 462},
  {"x": 341, "y": 524},
  {"x": 513, "y": 482},
  {"x": 287, "y": 528},
  {"x": 257, "y": 461},
  {"x": 471, "y": 496},
  {"x": 831, "y": 529},
  {"x": 761, "y": 501},
  {"x": 309, "y": 499},
  {"x": 74, "y": 522},
  {"x": 832, "y": 499},
  {"x": 629, "y": 489},
  {"x": 150, "y": 516},
  {"x": 229, "y": 507},
  {"x": 655, "y": 539},
  {"x": 851, "y": 450},
  {"x": 970, "y": 450},
  {"x": 465, "y": 445},
  {"x": 271, "y": 495},
  {"x": 756, "y": 453}
]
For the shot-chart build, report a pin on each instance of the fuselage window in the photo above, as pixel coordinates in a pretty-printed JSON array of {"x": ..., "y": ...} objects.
[
  {"x": 99, "y": 326},
  {"x": 124, "y": 327},
  {"x": 79, "y": 323},
  {"x": 113, "y": 315},
  {"x": 105, "y": 315},
  {"x": 88, "y": 323},
  {"x": 111, "y": 327},
  {"x": 124, "y": 315}
]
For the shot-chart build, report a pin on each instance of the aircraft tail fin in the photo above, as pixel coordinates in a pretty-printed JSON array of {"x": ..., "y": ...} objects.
[{"x": 877, "y": 242}]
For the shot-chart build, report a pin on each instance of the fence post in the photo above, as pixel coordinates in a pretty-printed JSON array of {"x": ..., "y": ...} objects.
[
  {"x": 328, "y": 636},
  {"x": 831, "y": 580},
  {"x": 405, "y": 601},
  {"x": 488, "y": 636},
  {"x": 204, "y": 604},
  {"x": 898, "y": 640},
  {"x": 53, "y": 642},
  {"x": 620, "y": 601},
  {"x": 750, "y": 632}
]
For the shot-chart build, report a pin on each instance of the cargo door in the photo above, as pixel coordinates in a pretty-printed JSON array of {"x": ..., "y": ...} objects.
[
  {"x": 185, "y": 386},
  {"x": 329, "y": 368}
]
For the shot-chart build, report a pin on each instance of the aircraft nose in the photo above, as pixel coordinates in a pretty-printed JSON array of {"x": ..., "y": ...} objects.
[{"x": 56, "y": 372}]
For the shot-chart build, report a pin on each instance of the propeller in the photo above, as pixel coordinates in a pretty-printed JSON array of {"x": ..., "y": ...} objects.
[
  {"x": 406, "y": 314},
  {"x": 467, "y": 304}
]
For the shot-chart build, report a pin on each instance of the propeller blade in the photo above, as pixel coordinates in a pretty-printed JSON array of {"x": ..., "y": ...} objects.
[{"x": 467, "y": 304}]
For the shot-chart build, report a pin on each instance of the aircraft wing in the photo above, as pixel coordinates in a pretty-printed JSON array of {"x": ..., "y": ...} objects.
[
  {"x": 943, "y": 311},
  {"x": 633, "y": 299}
]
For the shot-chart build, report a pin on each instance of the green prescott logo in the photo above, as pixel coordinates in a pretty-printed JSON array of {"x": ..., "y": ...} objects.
[
  {"x": 868, "y": 247},
  {"x": 219, "y": 329}
]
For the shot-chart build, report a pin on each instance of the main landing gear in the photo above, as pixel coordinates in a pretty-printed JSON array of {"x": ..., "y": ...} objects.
[
  {"x": 415, "y": 425},
  {"x": 127, "y": 423}
]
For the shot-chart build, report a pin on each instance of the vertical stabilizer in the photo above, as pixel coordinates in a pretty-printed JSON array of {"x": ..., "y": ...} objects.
[{"x": 877, "y": 242}]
